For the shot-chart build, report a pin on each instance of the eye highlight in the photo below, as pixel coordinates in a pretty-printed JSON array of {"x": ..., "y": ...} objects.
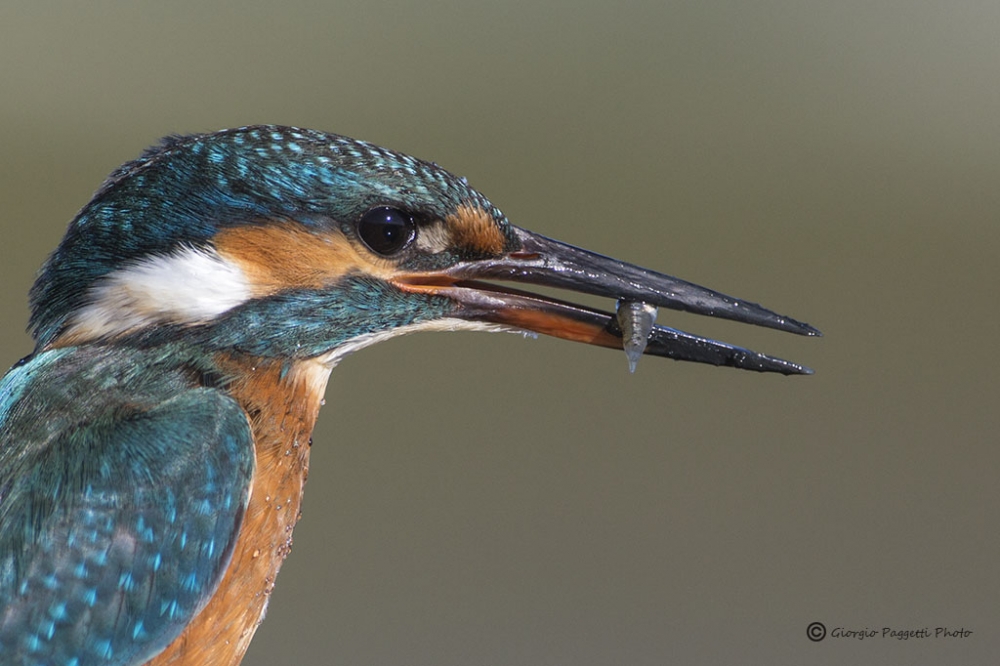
[{"x": 386, "y": 230}]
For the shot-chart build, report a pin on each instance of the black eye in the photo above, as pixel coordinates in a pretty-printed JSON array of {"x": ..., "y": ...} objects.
[{"x": 386, "y": 230}]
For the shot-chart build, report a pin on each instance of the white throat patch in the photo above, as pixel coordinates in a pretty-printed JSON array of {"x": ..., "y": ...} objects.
[{"x": 189, "y": 286}]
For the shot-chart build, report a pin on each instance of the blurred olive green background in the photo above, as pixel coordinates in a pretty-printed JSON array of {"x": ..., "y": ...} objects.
[{"x": 481, "y": 499}]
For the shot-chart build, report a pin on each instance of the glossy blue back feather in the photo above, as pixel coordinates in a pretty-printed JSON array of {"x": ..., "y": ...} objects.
[{"x": 123, "y": 488}]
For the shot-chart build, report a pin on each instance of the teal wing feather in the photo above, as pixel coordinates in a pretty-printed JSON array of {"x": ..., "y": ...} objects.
[{"x": 123, "y": 484}]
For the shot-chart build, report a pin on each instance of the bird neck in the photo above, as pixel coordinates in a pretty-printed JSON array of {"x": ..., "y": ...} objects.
[{"x": 282, "y": 400}]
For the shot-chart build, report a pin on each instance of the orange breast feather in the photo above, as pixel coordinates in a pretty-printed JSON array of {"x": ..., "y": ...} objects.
[{"x": 282, "y": 408}]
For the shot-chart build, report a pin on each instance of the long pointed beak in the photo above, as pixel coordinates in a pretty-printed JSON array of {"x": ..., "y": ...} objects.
[{"x": 545, "y": 262}]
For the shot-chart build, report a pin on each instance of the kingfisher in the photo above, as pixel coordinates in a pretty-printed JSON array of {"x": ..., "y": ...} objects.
[{"x": 155, "y": 444}]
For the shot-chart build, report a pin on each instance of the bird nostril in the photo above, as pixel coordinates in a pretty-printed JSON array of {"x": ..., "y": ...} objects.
[{"x": 524, "y": 255}]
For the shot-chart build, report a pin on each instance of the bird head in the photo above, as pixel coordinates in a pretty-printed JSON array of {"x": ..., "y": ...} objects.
[{"x": 289, "y": 243}]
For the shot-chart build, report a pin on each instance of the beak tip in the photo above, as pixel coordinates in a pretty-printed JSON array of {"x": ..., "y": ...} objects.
[
  {"x": 800, "y": 327},
  {"x": 812, "y": 331}
]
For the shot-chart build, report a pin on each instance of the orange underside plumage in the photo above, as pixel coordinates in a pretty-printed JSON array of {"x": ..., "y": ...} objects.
[{"x": 282, "y": 412}]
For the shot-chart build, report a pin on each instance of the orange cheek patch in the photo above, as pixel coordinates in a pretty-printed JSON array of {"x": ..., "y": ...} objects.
[
  {"x": 472, "y": 228},
  {"x": 282, "y": 256}
]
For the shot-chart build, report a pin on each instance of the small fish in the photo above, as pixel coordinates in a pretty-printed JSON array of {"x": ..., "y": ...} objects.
[{"x": 636, "y": 321}]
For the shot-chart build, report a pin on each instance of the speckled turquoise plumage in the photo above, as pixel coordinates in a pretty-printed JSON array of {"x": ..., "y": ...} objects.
[
  {"x": 117, "y": 512},
  {"x": 188, "y": 188}
]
